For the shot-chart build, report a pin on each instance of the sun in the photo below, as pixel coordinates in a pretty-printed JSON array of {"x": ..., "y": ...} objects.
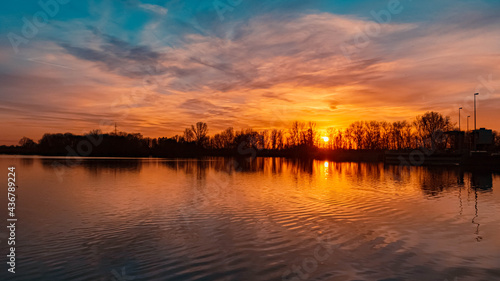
[{"x": 325, "y": 139}]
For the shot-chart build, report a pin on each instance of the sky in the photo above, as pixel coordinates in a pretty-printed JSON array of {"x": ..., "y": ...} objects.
[{"x": 156, "y": 67}]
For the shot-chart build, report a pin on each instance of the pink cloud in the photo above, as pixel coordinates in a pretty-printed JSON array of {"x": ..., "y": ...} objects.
[{"x": 266, "y": 72}]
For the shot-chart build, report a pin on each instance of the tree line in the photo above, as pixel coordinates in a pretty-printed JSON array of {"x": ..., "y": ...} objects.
[{"x": 425, "y": 130}]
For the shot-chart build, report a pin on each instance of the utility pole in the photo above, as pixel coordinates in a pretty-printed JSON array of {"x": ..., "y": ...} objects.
[
  {"x": 459, "y": 119},
  {"x": 475, "y": 120},
  {"x": 475, "y": 128},
  {"x": 467, "y": 133},
  {"x": 115, "y": 129}
]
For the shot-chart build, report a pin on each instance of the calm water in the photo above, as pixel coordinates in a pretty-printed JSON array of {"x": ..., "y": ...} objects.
[{"x": 269, "y": 219}]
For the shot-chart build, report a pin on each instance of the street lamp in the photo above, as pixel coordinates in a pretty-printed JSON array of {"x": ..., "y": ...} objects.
[
  {"x": 459, "y": 119},
  {"x": 467, "y": 134},
  {"x": 475, "y": 128}
]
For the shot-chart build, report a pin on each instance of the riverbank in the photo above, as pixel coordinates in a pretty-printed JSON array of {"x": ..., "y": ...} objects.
[
  {"x": 340, "y": 155},
  {"x": 408, "y": 157},
  {"x": 423, "y": 158}
]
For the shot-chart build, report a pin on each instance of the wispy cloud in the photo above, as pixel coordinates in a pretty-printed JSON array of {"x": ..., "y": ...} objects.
[
  {"x": 154, "y": 8},
  {"x": 252, "y": 72}
]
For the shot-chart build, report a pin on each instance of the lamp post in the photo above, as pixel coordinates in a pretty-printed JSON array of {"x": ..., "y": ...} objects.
[
  {"x": 460, "y": 108},
  {"x": 475, "y": 121},
  {"x": 475, "y": 128},
  {"x": 466, "y": 134}
]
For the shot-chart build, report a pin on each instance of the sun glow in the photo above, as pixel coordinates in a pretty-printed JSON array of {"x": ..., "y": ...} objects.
[{"x": 325, "y": 139}]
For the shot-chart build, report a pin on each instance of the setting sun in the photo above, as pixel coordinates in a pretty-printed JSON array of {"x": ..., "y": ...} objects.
[{"x": 230, "y": 139}]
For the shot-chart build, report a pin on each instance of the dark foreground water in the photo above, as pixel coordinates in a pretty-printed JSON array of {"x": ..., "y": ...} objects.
[{"x": 270, "y": 219}]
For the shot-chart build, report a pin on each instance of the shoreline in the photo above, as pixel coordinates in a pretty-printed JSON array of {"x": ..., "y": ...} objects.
[{"x": 388, "y": 157}]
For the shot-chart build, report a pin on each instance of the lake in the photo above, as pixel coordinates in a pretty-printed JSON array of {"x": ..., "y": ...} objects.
[{"x": 265, "y": 219}]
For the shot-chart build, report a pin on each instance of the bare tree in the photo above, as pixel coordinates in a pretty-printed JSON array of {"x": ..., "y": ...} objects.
[
  {"x": 311, "y": 134},
  {"x": 385, "y": 129},
  {"x": 401, "y": 135},
  {"x": 228, "y": 137},
  {"x": 188, "y": 135},
  {"x": 217, "y": 142},
  {"x": 330, "y": 133},
  {"x": 357, "y": 133},
  {"x": 297, "y": 136},
  {"x": 340, "y": 140},
  {"x": 372, "y": 135},
  {"x": 200, "y": 131},
  {"x": 430, "y": 126},
  {"x": 274, "y": 139},
  {"x": 280, "y": 135},
  {"x": 27, "y": 142}
]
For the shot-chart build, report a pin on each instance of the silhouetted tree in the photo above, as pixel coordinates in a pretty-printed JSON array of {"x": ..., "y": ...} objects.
[
  {"x": 188, "y": 135},
  {"x": 200, "y": 131},
  {"x": 496, "y": 140},
  {"x": 217, "y": 142},
  {"x": 227, "y": 137},
  {"x": 385, "y": 130},
  {"x": 311, "y": 135},
  {"x": 401, "y": 135},
  {"x": 357, "y": 133},
  {"x": 27, "y": 143},
  {"x": 371, "y": 135},
  {"x": 430, "y": 127},
  {"x": 296, "y": 133},
  {"x": 300, "y": 139}
]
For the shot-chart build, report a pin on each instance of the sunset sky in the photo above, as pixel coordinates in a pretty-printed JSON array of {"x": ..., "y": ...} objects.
[{"x": 157, "y": 67}]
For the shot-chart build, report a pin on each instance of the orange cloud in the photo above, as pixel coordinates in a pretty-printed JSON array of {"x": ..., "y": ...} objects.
[{"x": 263, "y": 73}]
